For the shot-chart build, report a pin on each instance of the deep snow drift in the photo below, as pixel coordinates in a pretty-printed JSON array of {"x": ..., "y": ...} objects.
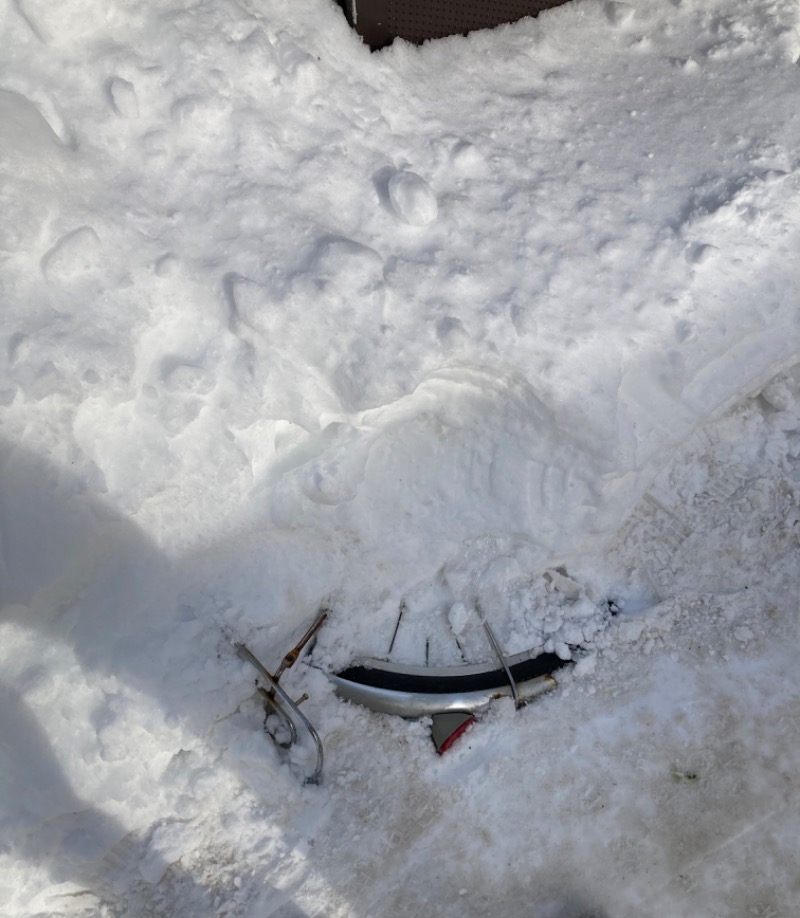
[{"x": 504, "y": 324}]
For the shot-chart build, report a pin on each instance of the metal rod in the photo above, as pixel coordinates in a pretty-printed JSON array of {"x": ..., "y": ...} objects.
[
  {"x": 503, "y": 662},
  {"x": 271, "y": 708},
  {"x": 422, "y": 703},
  {"x": 403, "y": 608},
  {"x": 291, "y": 658},
  {"x": 248, "y": 655}
]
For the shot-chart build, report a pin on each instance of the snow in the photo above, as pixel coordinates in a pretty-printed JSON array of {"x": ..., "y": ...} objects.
[
  {"x": 412, "y": 199},
  {"x": 504, "y": 327}
]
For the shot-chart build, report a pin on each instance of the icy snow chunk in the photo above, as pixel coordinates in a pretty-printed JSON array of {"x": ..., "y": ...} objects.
[
  {"x": 555, "y": 580},
  {"x": 570, "y": 633},
  {"x": 413, "y": 199},
  {"x": 583, "y": 608},
  {"x": 458, "y": 618},
  {"x": 562, "y": 651},
  {"x": 586, "y": 666}
]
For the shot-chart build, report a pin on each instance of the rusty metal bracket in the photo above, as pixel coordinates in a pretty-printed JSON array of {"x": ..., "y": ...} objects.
[{"x": 277, "y": 701}]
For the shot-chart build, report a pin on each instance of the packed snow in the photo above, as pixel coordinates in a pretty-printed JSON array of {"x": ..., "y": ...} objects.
[{"x": 502, "y": 327}]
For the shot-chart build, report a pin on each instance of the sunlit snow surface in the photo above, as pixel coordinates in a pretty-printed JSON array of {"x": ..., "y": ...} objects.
[{"x": 478, "y": 328}]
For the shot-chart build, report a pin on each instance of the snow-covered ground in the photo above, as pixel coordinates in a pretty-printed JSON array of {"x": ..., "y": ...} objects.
[{"x": 505, "y": 324}]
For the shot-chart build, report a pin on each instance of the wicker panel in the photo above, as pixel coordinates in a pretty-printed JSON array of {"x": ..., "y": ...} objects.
[{"x": 379, "y": 22}]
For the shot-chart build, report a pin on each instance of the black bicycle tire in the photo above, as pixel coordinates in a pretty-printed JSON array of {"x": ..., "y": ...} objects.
[{"x": 408, "y": 679}]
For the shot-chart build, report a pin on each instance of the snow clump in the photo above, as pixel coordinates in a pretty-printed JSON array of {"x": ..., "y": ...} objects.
[{"x": 413, "y": 199}]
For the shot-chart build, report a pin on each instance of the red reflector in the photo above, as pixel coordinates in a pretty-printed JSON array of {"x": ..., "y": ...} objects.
[{"x": 456, "y": 725}]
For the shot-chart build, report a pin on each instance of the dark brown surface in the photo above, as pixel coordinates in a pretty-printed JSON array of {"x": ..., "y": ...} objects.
[{"x": 379, "y": 22}]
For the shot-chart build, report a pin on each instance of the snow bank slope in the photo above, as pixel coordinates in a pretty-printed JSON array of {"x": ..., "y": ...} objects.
[{"x": 287, "y": 323}]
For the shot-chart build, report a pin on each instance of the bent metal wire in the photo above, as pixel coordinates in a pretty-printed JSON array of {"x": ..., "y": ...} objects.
[{"x": 277, "y": 701}]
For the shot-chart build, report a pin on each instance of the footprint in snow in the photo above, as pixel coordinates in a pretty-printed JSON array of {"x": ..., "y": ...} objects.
[
  {"x": 699, "y": 253},
  {"x": 412, "y": 199},
  {"x": 122, "y": 98},
  {"x": 76, "y": 255}
]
